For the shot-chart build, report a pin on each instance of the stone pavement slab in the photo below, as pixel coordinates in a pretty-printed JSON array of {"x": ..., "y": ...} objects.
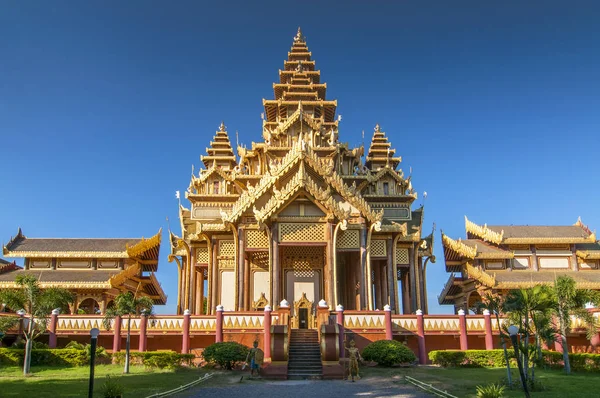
[{"x": 371, "y": 388}]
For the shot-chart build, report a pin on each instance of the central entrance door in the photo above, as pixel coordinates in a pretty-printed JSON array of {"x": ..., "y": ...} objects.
[{"x": 303, "y": 318}]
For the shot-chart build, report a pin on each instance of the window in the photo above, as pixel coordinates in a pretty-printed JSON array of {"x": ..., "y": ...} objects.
[
  {"x": 521, "y": 263},
  {"x": 386, "y": 188},
  {"x": 216, "y": 187}
]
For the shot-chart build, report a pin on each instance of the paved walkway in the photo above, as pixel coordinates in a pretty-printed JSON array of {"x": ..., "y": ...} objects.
[{"x": 371, "y": 388}]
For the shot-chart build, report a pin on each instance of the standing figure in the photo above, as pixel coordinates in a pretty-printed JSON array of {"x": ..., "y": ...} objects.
[
  {"x": 354, "y": 357},
  {"x": 255, "y": 359}
]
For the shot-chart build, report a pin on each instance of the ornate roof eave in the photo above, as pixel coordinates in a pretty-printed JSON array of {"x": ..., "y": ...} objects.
[
  {"x": 144, "y": 245},
  {"x": 212, "y": 170},
  {"x": 449, "y": 284},
  {"x": 395, "y": 227},
  {"x": 398, "y": 176},
  {"x": 588, "y": 254},
  {"x": 19, "y": 235},
  {"x": 128, "y": 273},
  {"x": 480, "y": 275},
  {"x": 483, "y": 232},
  {"x": 460, "y": 248},
  {"x": 532, "y": 283}
]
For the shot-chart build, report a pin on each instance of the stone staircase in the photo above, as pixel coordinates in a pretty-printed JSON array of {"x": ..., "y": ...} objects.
[{"x": 304, "y": 361}]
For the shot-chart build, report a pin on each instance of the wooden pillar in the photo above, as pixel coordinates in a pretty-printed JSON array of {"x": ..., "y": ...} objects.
[
  {"x": 413, "y": 281},
  {"x": 215, "y": 278},
  {"x": 241, "y": 270},
  {"x": 406, "y": 308},
  {"x": 391, "y": 276},
  {"x": 376, "y": 269},
  {"x": 276, "y": 283},
  {"x": 247, "y": 285},
  {"x": 363, "y": 269},
  {"x": 574, "y": 263},
  {"x": 198, "y": 289},
  {"x": 201, "y": 290},
  {"x": 534, "y": 259},
  {"x": 330, "y": 280},
  {"x": 462, "y": 325}
]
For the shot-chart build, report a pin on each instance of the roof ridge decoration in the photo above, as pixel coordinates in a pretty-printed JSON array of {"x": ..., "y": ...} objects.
[
  {"x": 302, "y": 152},
  {"x": 479, "y": 274},
  {"x": 459, "y": 247},
  {"x": 484, "y": 232},
  {"x": 144, "y": 245},
  {"x": 580, "y": 224},
  {"x": 12, "y": 241}
]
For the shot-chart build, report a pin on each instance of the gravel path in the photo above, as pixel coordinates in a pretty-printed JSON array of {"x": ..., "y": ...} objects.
[{"x": 372, "y": 388}]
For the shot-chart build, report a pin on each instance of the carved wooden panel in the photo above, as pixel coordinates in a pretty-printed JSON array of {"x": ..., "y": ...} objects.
[
  {"x": 349, "y": 239},
  {"x": 256, "y": 239},
  {"x": 202, "y": 255},
  {"x": 301, "y": 232},
  {"x": 402, "y": 255},
  {"x": 378, "y": 248}
]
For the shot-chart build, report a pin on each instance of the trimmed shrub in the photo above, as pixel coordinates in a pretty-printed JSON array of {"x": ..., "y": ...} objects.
[
  {"x": 495, "y": 359},
  {"x": 226, "y": 355},
  {"x": 388, "y": 353},
  {"x": 111, "y": 389},
  {"x": 47, "y": 357},
  {"x": 154, "y": 359},
  {"x": 470, "y": 358}
]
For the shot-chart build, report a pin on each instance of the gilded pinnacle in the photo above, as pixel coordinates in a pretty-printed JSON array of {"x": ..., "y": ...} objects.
[{"x": 222, "y": 126}]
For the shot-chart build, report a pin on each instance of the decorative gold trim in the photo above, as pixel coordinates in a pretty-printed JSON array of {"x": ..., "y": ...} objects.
[
  {"x": 57, "y": 254},
  {"x": 144, "y": 245},
  {"x": 483, "y": 232},
  {"x": 532, "y": 241},
  {"x": 459, "y": 247},
  {"x": 479, "y": 274},
  {"x": 588, "y": 254}
]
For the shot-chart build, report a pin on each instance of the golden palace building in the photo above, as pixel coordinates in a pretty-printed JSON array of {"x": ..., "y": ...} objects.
[
  {"x": 497, "y": 259},
  {"x": 96, "y": 270},
  {"x": 301, "y": 216}
]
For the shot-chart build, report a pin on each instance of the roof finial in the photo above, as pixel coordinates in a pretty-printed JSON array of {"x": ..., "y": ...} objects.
[
  {"x": 299, "y": 36},
  {"x": 222, "y": 126},
  {"x": 377, "y": 128}
]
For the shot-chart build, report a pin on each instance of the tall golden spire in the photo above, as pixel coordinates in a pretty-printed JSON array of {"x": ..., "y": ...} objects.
[{"x": 220, "y": 152}]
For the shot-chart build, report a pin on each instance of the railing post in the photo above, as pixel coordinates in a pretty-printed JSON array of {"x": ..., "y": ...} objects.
[
  {"x": 489, "y": 339},
  {"x": 219, "y": 325},
  {"x": 267, "y": 333},
  {"x": 388, "y": 322},
  {"x": 117, "y": 334},
  {"x": 462, "y": 325},
  {"x": 185, "y": 340},
  {"x": 421, "y": 338},
  {"x": 143, "y": 332},
  {"x": 340, "y": 321},
  {"x": 52, "y": 331}
]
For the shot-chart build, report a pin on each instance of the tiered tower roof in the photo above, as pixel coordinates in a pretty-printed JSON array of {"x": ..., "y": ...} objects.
[
  {"x": 381, "y": 153},
  {"x": 220, "y": 151}
]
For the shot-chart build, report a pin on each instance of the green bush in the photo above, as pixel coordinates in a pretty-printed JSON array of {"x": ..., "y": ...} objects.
[
  {"x": 388, "y": 353},
  {"x": 47, "y": 357},
  {"x": 495, "y": 359},
  {"x": 491, "y": 391},
  {"x": 470, "y": 358},
  {"x": 155, "y": 359},
  {"x": 226, "y": 354}
]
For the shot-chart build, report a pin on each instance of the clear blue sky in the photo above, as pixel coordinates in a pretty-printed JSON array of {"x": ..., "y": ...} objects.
[{"x": 104, "y": 106}]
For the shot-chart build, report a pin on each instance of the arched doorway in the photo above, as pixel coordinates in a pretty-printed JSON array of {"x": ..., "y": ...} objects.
[{"x": 89, "y": 306}]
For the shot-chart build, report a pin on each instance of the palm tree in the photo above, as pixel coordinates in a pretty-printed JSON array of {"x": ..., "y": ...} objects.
[
  {"x": 572, "y": 301},
  {"x": 494, "y": 303},
  {"x": 126, "y": 304},
  {"x": 36, "y": 302},
  {"x": 530, "y": 310}
]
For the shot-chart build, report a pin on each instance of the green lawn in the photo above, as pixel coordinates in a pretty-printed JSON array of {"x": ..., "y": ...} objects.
[
  {"x": 462, "y": 382},
  {"x": 73, "y": 382}
]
